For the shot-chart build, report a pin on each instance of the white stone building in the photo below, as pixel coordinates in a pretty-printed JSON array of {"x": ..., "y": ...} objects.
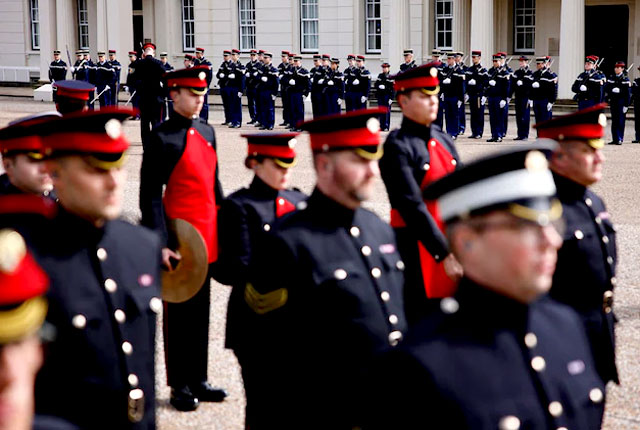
[{"x": 379, "y": 29}]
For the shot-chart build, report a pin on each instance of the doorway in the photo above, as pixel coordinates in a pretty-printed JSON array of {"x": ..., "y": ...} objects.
[
  {"x": 138, "y": 27},
  {"x": 610, "y": 45}
]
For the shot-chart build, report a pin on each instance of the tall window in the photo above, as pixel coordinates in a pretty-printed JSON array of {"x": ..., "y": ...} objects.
[
  {"x": 83, "y": 24},
  {"x": 444, "y": 24},
  {"x": 373, "y": 26},
  {"x": 309, "y": 25},
  {"x": 34, "y": 16},
  {"x": 247, "y": 14},
  {"x": 188, "y": 26},
  {"x": 524, "y": 25}
]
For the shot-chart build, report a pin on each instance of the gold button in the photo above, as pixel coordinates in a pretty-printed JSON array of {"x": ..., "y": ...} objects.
[
  {"x": 102, "y": 254},
  {"x": 385, "y": 296},
  {"x": 155, "y": 304},
  {"x": 449, "y": 305},
  {"x": 191, "y": 132},
  {"x": 400, "y": 265},
  {"x": 79, "y": 321},
  {"x": 538, "y": 364},
  {"x": 605, "y": 239},
  {"x": 127, "y": 348},
  {"x": 531, "y": 340},
  {"x": 120, "y": 316},
  {"x": 588, "y": 201},
  {"x": 280, "y": 201},
  {"x": 366, "y": 251},
  {"x": 596, "y": 395},
  {"x": 426, "y": 167},
  {"x": 376, "y": 272},
  {"x": 578, "y": 234},
  {"x": 395, "y": 337},
  {"x": 453, "y": 162},
  {"x": 266, "y": 227},
  {"x": 393, "y": 319},
  {"x": 509, "y": 422},
  {"x": 110, "y": 285},
  {"x": 433, "y": 143},
  {"x": 354, "y": 231},
  {"x": 340, "y": 274},
  {"x": 555, "y": 409},
  {"x": 133, "y": 380}
]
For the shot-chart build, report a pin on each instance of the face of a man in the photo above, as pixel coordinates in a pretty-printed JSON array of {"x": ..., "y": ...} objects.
[
  {"x": 539, "y": 66},
  {"x": 350, "y": 61},
  {"x": 285, "y": 59},
  {"x": 334, "y": 66},
  {"x": 101, "y": 58},
  {"x": 523, "y": 64},
  {"x": 267, "y": 60},
  {"x": 234, "y": 57},
  {"x": 27, "y": 174},
  {"x": 316, "y": 62},
  {"x": 618, "y": 70},
  {"x": 19, "y": 363},
  {"x": 297, "y": 63},
  {"x": 56, "y": 57},
  {"x": 89, "y": 192},
  {"x": 326, "y": 62},
  {"x": 476, "y": 60},
  {"x": 164, "y": 60},
  {"x": 451, "y": 61},
  {"x": 579, "y": 162},
  {"x": 360, "y": 63},
  {"x": 435, "y": 58},
  {"x": 419, "y": 107},
  {"x": 588, "y": 66},
  {"x": 200, "y": 55},
  {"x": 272, "y": 174},
  {"x": 509, "y": 255},
  {"x": 254, "y": 57},
  {"x": 186, "y": 102},
  {"x": 346, "y": 177},
  {"x": 408, "y": 58},
  {"x": 132, "y": 58},
  {"x": 385, "y": 70},
  {"x": 112, "y": 57}
]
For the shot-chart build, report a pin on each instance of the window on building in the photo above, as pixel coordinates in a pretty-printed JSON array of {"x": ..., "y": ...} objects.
[
  {"x": 247, "y": 14},
  {"x": 34, "y": 17},
  {"x": 188, "y": 26},
  {"x": 444, "y": 24},
  {"x": 309, "y": 25},
  {"x": 524, "y": 26},
  {"x": 373, "y": 26},
  {"x": 83, "y": 24}
]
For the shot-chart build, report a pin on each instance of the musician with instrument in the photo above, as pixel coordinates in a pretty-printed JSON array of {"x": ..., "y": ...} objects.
[
  {"x": 589, "y": 84},
  {"x": 181, "y": 155}
]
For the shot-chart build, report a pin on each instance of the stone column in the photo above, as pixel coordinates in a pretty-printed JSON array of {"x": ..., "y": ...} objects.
[
  {"x": 571, "y": 46},
  {"x": 47, "y": 36},
  {"x": 427, "y": 33},
  {"x": 482, "y": 30},
  {"x": 398, "y": 31}
]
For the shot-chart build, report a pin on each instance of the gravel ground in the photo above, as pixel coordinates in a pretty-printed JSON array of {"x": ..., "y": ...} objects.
[{"x": 619, "y": 190}]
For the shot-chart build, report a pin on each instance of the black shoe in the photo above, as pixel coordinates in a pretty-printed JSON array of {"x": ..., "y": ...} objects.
[
  {"x": 206, "y": 393},
  {"x": 619, "y": 142},
  {"x": 183, "y": 399},
  {"x": 235, "y": 126},
  {"x": 492, "y": 140},
  {"x": 269, "y": 128},
  {"x": 283, "y": 124},
  {"x": 635, "y": 141},
  {"x": 257, "y": 124},
  {"x": 225, "y": 123},
  {"x": 251, "y": 122},
  {"x": 520, "y": 138},
  {"x": 262, "y": 127}
]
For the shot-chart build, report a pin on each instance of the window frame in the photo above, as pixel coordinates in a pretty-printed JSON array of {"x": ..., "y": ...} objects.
[
  {"x": 188, "y": 20},
  {"x": 247, "y": 25},
  {"x": 527, "y": 28},
  {"x": 34, "y": 24},
  {"x": 83, "y": 24},
  {"x": 441, "y": 19},
  {"x": 373, "y": 19},
  {"x": 303, "y": 47}
]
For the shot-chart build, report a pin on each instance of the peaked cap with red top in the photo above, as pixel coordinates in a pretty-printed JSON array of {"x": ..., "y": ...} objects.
[{"x": 587, "y": 125}]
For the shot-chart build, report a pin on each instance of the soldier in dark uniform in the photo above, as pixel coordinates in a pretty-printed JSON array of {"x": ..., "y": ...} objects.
[
  {"x": 349, "y": 76},
  {"x": 117, "y": 68},
  {"x": 415, "y": 155},
  {"x": 520, "y": 86},
  {"x": 79, "y": 70},
  {"x": 585, "y": 275},
  {"x": 165, "y": 62},
  {"x": 182, "y": 156},
  {"x": 236, "y": 84},
  {"x": 409, "y": 62},
  {"x": 267, "y": 91},
  {"x": 316, "y": 73},
  {"x": 188, "y": 61},
  {"x": 334, "y": 88},
  {"x": 23, "y": 158},
  {"x": 105, "y": 77},
  {"x": 436, "y": 55},
  {"x": 499, "y": 355},
  {"x": 251, "y": 80},
  {"x": 361, "y": 84},
  {"x": 105, "y": 277},
  {"x": 544, "y": 90},
  {"x": 283, "y": 75},
  {"x": 589, "y": 84},
  {"x": 453, "y": 88},
  {"x": 385, "y": 94},
  {"x": 72, "y": 95},
  {"x": 476, "y": 78},
  {"x": 200, "y": 60},
  {"x": 148, "y": 73},
  {"x": 462, "y": 114},
  {"x": 168, "y": 103},
  {"x": 132, "y": 86},
  {"x": 57, "y": 68},
  {"x": 328, "y": 285},
  {"x": 618, "y": 94},
  {"x": 90, "y": 75},
  {"x": 635, "y": 98},
  {"x": 298, "y": 89},
  {"x": 223, "y": 80},
  {"x": 505, "y": 112},
  {"x": 497, "y": 92},
  {"x": 244, "y": 217}
]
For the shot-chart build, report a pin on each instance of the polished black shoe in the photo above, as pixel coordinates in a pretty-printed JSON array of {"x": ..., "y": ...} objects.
[
  {"x": 257, "y": 124},
  {"x": 519, "y": 138},
  {"x": 224, "y": 123},
  {"x": 234, "y": 126},
  {"x": 492, "y": 140},
  {"x": 183, "y": 399},
  {"x": 269, "y": 128},
  {"x": 635, "y": 141},
  {"x": 251, "y": 122},
  {"x": 262, "y": 127},
  {"x": 283, "y": 124},
  {"x": 207, "y": 393}
]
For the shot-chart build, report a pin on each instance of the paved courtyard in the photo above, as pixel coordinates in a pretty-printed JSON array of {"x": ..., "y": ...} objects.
[{"x": 619, "y": 190}]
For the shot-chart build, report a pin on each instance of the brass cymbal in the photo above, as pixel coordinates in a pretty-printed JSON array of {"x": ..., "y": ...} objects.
[{"x": 188, "y": 275}]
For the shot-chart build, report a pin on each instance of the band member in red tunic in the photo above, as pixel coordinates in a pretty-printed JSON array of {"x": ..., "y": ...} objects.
[
  {"x": 181, "y": 155},
  {"x": 415, "y": 155}
]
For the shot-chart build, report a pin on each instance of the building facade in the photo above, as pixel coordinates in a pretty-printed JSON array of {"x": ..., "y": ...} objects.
[{"x": 379, "y": 29}]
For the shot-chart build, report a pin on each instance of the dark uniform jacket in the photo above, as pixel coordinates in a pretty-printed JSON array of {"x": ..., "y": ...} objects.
[
  {"x": 487, "y": 362},
  {"x": 236, "y": 76},
  {"x": 103, "y": 300},
  {"x": 341, "y": 274},
  {"x": 622, "y": 83},
  {"x": 81, "y": 72},
  {"x": 453, "y": 83},
  {"x": 206, "y": 63},
  {"x": 148, "y": 80},
  {"x": 384, "y": 86},
  {"x": 594, "y": 80},
  {"x": 544, "y": 85},
  {"x": 498, "y": 82},
  {"x": 271, "y": 83},
  {"x": 57, "y": 71},
  {"x": 105, "y": 74},
  {"x": 117, "y": 67},
  {"x": 521, "y": 81},
  {"x": 243, "y": 219},
  {"x": 407, "y": 66},
  {"x": 223, "y": 73},
  {"x": 251, "y": 74},
  {"x": 302, "y": 83},
  {"x": 363, "y": 78},
  {"x": 586, "y": 269},
  {"x": 476, "y": 77}
]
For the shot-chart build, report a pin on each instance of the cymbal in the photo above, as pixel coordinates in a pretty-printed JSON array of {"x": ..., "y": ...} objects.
[{"x": 188, "y": 275}]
